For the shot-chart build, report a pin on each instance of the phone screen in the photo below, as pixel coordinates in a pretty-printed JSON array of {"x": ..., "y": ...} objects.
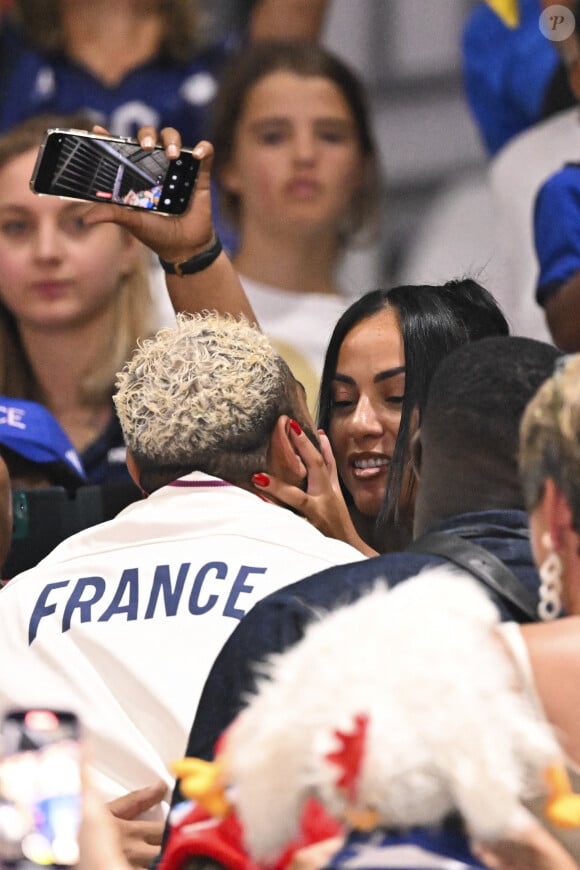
[
  {"x": 103, "y": 169},
  {"x": 40, "y": 790}
]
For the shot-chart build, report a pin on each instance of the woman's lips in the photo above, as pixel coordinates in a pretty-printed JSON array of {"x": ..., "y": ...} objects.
[
  {"x": 368, "y": 467},
  {"x": 50, "y": 289},
  {"x": 303, "y": 188}
]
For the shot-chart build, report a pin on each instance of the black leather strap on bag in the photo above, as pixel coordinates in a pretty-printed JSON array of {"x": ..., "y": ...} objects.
[{"x": 483, "y": 565}]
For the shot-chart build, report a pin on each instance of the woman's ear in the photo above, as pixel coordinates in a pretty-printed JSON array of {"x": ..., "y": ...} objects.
[
  {"x": 557, "y": 514},
  {"x": 133, "y": 252},
  {"x": 230, "y": 178}
]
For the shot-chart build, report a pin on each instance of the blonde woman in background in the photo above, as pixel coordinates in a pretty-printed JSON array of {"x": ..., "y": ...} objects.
[{"x": 74, "y": 299}]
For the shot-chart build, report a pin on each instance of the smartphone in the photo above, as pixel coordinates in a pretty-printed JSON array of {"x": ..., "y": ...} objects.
[
  {"x": 40, "y": 790},
  {"x": 74, "y": 164}
]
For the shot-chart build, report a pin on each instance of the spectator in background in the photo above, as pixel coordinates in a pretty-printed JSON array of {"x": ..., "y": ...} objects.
[
  {"x": 35, "y": 448},
  {"x": 297, "y": 169},
  {"x": 131, "y": 63},
  {"x": 5, "y": 512},
  {"x": 74, "y": 299},
  {"x": 556, "y": 214},
  {"x": 557, "y": 243},
  {"x": 517, "y": 173},
  {"x": 513, "y": 74}
]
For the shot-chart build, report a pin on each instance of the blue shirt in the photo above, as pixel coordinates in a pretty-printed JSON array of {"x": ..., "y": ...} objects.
[
  {"x": 160, "y": 92},
  {"x": 507, "y": 71},
  {"x": 557, "y": 230},
  {"x": 104, "y": 459},
  {"x": 426, "y": 848}
]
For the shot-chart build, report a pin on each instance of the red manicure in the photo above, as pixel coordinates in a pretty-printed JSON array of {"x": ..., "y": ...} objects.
[
  {"x": 261, "y": 479},
  {"x": 296, "y": 428}
]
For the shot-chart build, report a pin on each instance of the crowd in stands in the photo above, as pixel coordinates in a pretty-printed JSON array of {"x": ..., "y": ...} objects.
[{"x": 320, "y": 561}]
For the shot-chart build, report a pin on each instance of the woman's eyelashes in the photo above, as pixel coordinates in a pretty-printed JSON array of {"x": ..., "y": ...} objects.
[{"x": 344, "y": 402}]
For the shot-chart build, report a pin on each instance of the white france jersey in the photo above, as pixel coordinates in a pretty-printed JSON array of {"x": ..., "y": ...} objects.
[{"x": 122, "y": 622}]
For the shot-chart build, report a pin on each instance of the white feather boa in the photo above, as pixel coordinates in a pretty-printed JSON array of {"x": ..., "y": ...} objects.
[{"x": 446, "y": 727}]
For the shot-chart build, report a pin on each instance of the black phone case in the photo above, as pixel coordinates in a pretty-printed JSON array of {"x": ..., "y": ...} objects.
[{"x": 77, "y": 165}]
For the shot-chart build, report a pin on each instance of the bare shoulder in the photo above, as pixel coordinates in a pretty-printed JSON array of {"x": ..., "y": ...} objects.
[{"x": 554, "y": 653}]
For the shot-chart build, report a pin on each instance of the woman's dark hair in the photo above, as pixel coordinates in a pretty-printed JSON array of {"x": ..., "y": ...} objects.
[
  {"x": 433, "y": 319},
  {"x": 303, "y": 58}
]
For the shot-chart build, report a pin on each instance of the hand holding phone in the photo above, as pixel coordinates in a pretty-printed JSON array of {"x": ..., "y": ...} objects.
[
  {"x": 174, "y": 238},
  {"x": 40, "y": 790},
  {"x": 75, "y": 164}
]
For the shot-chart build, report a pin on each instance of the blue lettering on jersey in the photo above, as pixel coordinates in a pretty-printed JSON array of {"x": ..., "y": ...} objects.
[
  {"x": 93, "y": 599},
  {"x": 237, "y": 588},
  {"x": 41, "y": 608},
  {"x": 83, "y": 605},
  {"x": 128, "y": 583},
  {"x": 171, "y": 597},
  {"x": 195, "y": 607}
]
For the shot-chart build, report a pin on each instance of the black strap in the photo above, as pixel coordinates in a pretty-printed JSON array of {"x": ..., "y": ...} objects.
[{"x": 483, "y": 565}]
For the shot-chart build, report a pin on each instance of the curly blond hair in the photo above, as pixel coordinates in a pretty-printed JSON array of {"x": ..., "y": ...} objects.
[
  {"x": 203, "y": 395},
  {"x": 550, "y": 437}
]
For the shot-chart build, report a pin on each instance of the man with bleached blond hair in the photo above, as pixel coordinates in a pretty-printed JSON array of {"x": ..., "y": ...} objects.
[{"x": 123, "y": 621}]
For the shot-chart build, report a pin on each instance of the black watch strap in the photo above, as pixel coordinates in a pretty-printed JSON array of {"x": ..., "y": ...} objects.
[{"x": 197, "y": 263}]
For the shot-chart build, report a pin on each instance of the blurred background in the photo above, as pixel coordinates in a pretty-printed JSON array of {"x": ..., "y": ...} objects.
[{"x": 408, "y": 52}]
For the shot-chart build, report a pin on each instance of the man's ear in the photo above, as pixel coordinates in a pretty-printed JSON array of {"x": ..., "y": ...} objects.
[
  {"x": 133, "y": 470},
  {"x": 416, "y": 453},
  {"x": 283, "y": 461}
]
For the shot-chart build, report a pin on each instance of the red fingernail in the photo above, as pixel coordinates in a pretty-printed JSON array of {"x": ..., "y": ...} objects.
[
  {"x": 261, "y": 479},
  {"x": 296, "y": 427}
]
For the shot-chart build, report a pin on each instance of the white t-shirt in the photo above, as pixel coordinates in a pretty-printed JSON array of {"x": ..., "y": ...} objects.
[
  {"x": 299, "y": 326},
  {"x": 122, "y": 622}
]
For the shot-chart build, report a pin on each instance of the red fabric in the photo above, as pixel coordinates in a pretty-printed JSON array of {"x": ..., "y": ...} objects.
[{"x": 197, "y": 833}]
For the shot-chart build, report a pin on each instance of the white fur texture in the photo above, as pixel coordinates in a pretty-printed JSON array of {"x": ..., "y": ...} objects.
[{"x": 446, "y": 730}]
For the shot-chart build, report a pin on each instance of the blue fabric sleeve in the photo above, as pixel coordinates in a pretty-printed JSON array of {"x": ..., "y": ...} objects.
[
  {"x": 506, "y": 72},
  {"x": 557, "y": 231}
]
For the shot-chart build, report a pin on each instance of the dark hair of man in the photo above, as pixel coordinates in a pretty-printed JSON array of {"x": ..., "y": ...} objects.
[
  {"x": 471, "y": 421},
  {"x": 303, "y": 58},
  {"x": 433, "y": 321}
]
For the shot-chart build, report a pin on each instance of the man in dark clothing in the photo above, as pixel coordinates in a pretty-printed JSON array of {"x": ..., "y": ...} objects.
[{"x": 466, "y": 457}]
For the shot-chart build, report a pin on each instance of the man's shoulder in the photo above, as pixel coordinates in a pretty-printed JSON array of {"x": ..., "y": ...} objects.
[
  {"x": 344, "y": 583},
  {"x": 502, "y": 534}
]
